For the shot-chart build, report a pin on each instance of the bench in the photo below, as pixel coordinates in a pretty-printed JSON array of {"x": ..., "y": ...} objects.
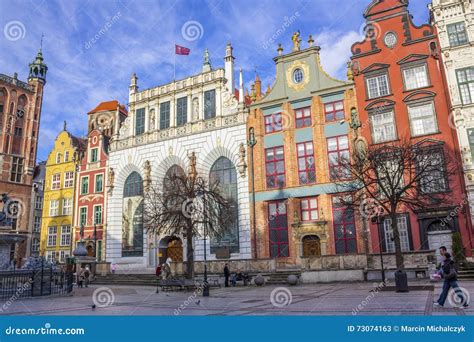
[
  {"x": 212, "y": 281},
  {"x": 245, "y": 278},
  {"x": 176, "y": 284}
]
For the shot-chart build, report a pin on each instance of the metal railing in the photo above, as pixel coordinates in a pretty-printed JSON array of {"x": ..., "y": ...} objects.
[{"x": 28, "y": 283}]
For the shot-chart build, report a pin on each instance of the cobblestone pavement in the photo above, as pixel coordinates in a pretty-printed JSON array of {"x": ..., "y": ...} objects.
[{"x": 318, "y": 299}]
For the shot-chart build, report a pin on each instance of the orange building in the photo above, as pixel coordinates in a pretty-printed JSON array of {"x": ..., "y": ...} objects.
[
  {"x": 302, "y": 135},
  {"x": 401, "y": 95}
]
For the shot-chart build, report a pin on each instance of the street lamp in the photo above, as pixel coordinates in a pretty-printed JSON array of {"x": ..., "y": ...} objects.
[
  {"x": 251, "y": 143},
  {"x": 205, "y": 289},
  {"x": 379, "y": 230}
]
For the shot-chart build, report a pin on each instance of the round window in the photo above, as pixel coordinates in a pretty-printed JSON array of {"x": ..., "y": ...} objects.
[
  {"x": 390, "y": 39},
  {"x": 298, "y": 75}
]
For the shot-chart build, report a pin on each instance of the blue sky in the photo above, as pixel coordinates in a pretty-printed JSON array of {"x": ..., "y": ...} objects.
[{"x": 92, "y": 47}]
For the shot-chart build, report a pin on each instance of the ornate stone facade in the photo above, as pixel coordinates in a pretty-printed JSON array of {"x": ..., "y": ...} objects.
[
  {"x": 167, "y": 125},
  {"x": 454, "y": 21}
]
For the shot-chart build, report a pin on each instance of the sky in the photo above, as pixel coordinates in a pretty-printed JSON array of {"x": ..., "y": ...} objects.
[{"x": 93, "y": 47}]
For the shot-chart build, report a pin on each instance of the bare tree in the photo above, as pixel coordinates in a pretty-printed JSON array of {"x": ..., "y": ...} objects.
[
  {"x": 188, "y": 206},
  {"x": 385, "y": 179}
]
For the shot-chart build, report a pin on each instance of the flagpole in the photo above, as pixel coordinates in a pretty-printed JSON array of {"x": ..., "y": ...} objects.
[{"x": 174, "y": 64}]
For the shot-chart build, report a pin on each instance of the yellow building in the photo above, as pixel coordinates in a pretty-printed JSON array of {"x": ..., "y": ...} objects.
[{"x": 58, "y": 206}]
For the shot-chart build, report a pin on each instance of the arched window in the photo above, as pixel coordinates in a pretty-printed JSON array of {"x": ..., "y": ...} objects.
[
  {"x": 3, "y": 98},
  {"x": 223, "y": 173},
  {"x": 173, "y": 171},
  {"x": 132, "y": 217}
]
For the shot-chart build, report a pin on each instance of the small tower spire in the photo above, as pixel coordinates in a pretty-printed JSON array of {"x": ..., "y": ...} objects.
[
  {"x": 229, "y": 68},
  {"x": 206, "y": 66},
  {"x": 38, "y": 68},
  {"x": 65, "y": 125}
]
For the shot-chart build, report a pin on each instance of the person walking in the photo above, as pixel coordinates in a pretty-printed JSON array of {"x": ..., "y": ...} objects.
[
  {"x": 449, "y": 273},
  {"x": 80, "y": 277},
  {"x": 226, "y": 275},
  {"x": 87, "y": 274}
]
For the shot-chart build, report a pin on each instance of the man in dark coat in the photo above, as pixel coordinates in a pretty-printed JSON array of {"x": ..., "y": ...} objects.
[
  {"x": 226, "y": 275},
  {"x": 449, "y": 273}
]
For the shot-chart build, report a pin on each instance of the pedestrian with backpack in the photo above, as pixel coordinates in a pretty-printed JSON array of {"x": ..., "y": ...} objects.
[{"x": 450, "y": 281}]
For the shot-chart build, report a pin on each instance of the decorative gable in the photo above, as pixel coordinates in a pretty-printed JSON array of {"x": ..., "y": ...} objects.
[{"x": 382, "y": 6}]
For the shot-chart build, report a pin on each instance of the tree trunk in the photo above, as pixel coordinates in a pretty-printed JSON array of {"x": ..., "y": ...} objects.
[
  {"x": 190, "y": 252},
  {"x": 396, "y": 240}
]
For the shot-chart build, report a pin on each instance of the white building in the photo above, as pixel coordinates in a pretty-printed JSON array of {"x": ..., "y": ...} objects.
[
  {"x": 203, "y": 114},
  {"x": 454, "y": 21}
]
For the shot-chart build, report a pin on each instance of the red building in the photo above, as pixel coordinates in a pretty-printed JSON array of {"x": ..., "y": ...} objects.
[
  {"x": 20, "y": 114},
  {"x": 92, "y": 178},
  {"x": 401, "y": 96}
]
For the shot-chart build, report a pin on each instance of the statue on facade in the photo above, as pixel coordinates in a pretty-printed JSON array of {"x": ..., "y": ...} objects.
[
  {"x": 110, "y": 180},
  {"x": 147, "y": 175},
  {"x": 192, "y": 172},
  {"x": 242, "y": 166},
  {"x": 296, "y": 41},
  {"x": 195, "y": 109}
]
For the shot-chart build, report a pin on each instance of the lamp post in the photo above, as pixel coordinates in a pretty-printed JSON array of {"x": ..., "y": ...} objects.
[
  {"x": 95, "y": 241},
  {"x": 251, "y": 143},
  {"x": 205, "y": 289},
  {"x": 377, "y": 220}
]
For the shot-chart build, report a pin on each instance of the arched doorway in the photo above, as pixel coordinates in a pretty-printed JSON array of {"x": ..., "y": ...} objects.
[
  {"x": 439, "y": 234},
  {"x": 311, "y": 246},
  {"x": 170, "y": 247}
]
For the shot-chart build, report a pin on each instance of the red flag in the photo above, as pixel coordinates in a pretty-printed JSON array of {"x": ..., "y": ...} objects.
[{"x": 181, "y": 50}]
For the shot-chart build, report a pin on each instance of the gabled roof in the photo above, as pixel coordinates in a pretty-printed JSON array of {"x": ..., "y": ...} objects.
[
  {"x": 381, "y": 6},
  {"x": 108, "y": 106}
]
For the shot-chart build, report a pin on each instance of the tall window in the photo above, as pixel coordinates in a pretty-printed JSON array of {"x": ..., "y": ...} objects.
[
  {"x": 67, "y": 206},
  {"x": 306, "y": 167},
  {"x": 98, "y": 214},
  {"x": 466, "y": 84},
  {"x": 83, "y": 216},
  {"x": 344, "y": 227},
  {"x": 56, "y": 181},
  {"x": 38, "y": 202},
  {"x": 68, "y": 179},
  {"x": 181, "y": 111},
  {"x": 54, "y": 208},
  {"x": 99, "y": 183},
  {"x": 35, "y": 245},
  {"x": 273, "y": 123},
  {"x": 65, "y": 235},
  {"x": 278, "y": 229},
  {"x": 16, "y": 170},
  {"x": 309, "y": 209},
  {"x": 432, "y": 170},
  {"x": 402, "y": 230},
  {"x": 52, "y": 236},
  {"x": 84, "y": 185},
  {"x": 209, "y": 104},
  {"x": 164, "y": 115},
  {"x": 338, "y": 155},
  {"x": 66, "y": 156},
  {"x": 383, "y": 127},
  {"x": 37, "y": 224},
  {"x": 415, "y": 77},
  {"x": 223, "y": 173},
  {"x": 58, "y": 158},
  {"x": 457, "y": 34},
  {"x": 95, "y": 155},
  {"x": 334, "y": 111},
  {"x": 132, "y": 216},
  {"x": 275, "y": 167},
  {"x": 303, "y": 117},
  {"x": 422, "y": 119},
  {"x": 63, "y": 255},
  {"x": 50, "y": 256},
  {"x": 377, "y": 86},
  {"x": 140, "y": 121}
]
